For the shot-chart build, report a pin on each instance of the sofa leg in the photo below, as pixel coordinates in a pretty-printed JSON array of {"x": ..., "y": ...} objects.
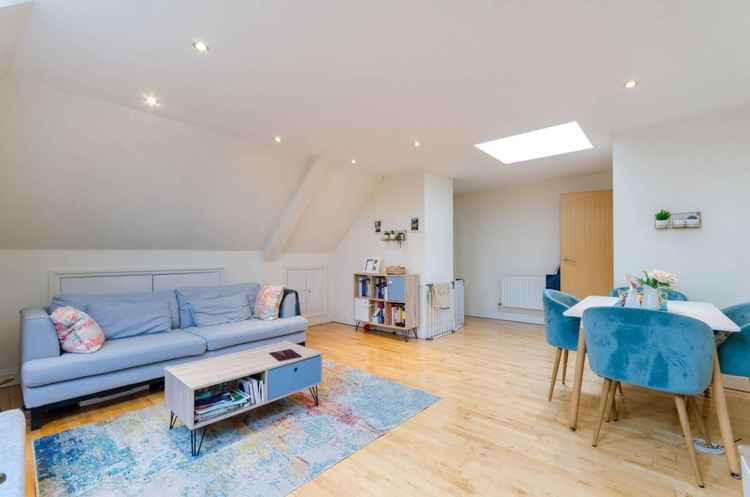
[
  {"x": 302, "y": 343},
  {"x": 37, "y": 417},
  {"x": 156, "y": 386}
]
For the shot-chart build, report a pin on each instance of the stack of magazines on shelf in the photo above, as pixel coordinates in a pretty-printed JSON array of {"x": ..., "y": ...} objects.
[
  {"x": 219, "y": 400},
  {"x": 253, "y": 387}
]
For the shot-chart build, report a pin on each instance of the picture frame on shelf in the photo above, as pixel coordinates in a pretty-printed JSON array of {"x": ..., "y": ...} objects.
[
  {"x": 373, "y": 265},
  {"x": 414, "y": 223},
  {"x": 378, "y": 226}
]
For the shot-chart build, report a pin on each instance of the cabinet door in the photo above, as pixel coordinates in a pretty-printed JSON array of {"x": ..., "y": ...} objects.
[
  {"x": 296, "y": 279},
  {"x": 315, "y": 292}
]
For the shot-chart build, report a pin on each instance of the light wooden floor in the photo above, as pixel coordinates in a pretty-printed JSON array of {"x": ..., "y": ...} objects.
[{"x": 493, "y": 433}]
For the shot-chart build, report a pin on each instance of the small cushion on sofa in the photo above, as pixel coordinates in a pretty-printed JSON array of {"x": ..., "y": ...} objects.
[
  {"x": 76, "y": 331},
  {"x": 268, "y": 301},
  {"x": 115, "y": 355},
  {"x": 214, "y": 310},
  {"x": 82, "y": 301},
  {"x": 252, "y": 330},
  {"x": 185, "y": 294},
  {"x": 127, "y": 319}
]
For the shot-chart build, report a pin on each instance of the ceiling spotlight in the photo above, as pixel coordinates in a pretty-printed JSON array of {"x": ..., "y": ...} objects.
[
  {"x": 631, "y": 84},
  {"x": 277, "y": 139},
  {"x": 354, "y": 161},
  {"x": 200, "y": 46},
  {"x": 417, "y": 144},
  {"x": 152, "y": 101}
]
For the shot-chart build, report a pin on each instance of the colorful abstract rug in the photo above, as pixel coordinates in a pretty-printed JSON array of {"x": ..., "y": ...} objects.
[{"x": 269, "y": 452}]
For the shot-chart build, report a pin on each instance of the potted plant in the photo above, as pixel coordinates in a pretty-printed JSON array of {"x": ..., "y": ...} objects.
[
  {"x": 656, "y": 285},
  {"x": 662, "y": 218}
]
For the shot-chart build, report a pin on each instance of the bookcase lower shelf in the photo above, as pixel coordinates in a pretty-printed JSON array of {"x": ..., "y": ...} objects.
[{"x": 387, "y": 302}]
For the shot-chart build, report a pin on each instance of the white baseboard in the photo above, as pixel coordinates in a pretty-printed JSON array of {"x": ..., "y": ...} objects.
[
  {"x": 7, "y": 373},
  {"x": 519, "y": 317}
]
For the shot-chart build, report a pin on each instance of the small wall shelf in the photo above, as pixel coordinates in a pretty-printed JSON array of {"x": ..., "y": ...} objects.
[
  {"x": 681, "y": 220},
  {"x": 388, "y": 302}
]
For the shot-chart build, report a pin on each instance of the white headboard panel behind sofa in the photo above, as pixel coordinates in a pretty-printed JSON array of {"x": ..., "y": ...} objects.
[{"x": 131, "y": 280}]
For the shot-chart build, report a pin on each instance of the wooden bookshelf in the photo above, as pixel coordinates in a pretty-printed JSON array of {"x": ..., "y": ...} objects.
[{"x": 387, "y": 302}]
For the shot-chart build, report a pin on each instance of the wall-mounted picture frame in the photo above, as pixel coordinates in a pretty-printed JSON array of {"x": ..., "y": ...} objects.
[
  {"x": 378, "y": 226},
  {"x": 414, "y": 224},
  {"x": 372, "y": 265}
]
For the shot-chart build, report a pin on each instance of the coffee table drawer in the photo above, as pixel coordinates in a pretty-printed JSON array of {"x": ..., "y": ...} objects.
[{"x": 293, "y": 377}]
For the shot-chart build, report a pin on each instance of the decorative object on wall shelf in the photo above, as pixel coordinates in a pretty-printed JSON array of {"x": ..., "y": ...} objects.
[
  {"x": 678, "y": 220},
  {"x": 395, "y": 236},
  {"x": 378, "y": 226},
  {"x": 414, "y": 223},
  {"x": 662, "y": 218},
  {"x": 397, "y": 270},
  {"x": 372, "y": 265}
]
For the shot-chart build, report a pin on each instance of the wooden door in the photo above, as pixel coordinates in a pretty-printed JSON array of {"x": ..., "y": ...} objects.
[{"x": 586, "y": 264}]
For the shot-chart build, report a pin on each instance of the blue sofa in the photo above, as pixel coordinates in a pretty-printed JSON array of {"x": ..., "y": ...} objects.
[
  {"x": 12, "y": 448},
  {"x": 51, "y": 378}
]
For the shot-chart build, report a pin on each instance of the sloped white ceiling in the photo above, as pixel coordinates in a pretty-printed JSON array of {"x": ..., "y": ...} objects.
[
  {"x": 82, "y": 173},
  {"x": 13, "y": 18},
  {"x": 342, "y": 78}
]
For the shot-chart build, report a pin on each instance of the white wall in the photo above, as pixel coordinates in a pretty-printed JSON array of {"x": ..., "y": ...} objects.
[
  {"x": 397, "y": 199},
  {"x": 24, "y": 277},
  {"x": 512, "y": 230},
  {"x": 703, "y": 164}
]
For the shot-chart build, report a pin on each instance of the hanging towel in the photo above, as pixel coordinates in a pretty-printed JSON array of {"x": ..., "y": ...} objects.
[{"x": 443, "y": 291}]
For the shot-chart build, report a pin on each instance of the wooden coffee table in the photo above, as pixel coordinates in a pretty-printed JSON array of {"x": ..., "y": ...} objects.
[{"x": 279, "y": 379}]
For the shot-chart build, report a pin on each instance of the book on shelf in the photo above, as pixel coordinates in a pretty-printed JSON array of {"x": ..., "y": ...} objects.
[
  {"x": 211, "y": 407},
  {"x": 253, "y": 387}
]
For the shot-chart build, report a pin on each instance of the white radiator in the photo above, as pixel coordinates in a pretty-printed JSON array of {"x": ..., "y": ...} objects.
[{"x": 522, "y": 292}]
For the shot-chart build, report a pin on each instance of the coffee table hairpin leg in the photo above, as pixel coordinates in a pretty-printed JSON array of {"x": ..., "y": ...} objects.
[
  {"x": 172, "y": 419},
  {"x": 195, "y": 445},
  {"x": 314, "y": 394}
]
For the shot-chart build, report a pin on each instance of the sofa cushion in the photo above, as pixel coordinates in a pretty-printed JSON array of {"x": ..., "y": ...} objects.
[
  {"x": 77, "y": 332},
  {"x": 185, "y": 294},
  {"x": 128, "y": 319},
  {"x": 227, "y": 335},
  {"x": 113, "y": 356},
  {"x": 82, "y": 301},
  {"x": 268, "y": 301},
  {"x": 212, "y": 311}
]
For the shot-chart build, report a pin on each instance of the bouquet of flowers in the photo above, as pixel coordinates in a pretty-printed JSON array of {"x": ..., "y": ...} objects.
[{"x": 658, "y": 279}]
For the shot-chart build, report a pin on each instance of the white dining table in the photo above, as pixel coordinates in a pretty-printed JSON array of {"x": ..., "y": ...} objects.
[{"x": 703, "y": 311}]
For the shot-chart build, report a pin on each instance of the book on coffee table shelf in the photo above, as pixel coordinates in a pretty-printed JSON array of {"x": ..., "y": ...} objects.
[{"x": 210, "y": 390}]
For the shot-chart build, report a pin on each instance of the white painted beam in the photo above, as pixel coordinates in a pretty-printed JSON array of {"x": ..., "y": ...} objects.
[{"x": 314, "y": 181}]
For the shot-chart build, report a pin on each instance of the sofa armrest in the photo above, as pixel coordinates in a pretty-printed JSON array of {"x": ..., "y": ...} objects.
[
  {"x": 38, "y": 335},
  {"x": 289, "y": 304}
]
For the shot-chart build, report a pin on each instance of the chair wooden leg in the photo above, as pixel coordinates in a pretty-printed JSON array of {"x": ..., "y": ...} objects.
[
  {"x": 619, "y": 387},
  {"x": 705, "y": 413},
  {"x": 679, "y": 401},
  {"x": 611, "y": 407},
  {"x": 606, "y": 387},
  {"x": 565, "y": 365},
  {"x": 555, "y": 367},
  {"x": 692, "y": 406}
]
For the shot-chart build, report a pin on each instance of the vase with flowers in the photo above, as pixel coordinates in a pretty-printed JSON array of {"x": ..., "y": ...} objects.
[{"x": 656, "y": 285}]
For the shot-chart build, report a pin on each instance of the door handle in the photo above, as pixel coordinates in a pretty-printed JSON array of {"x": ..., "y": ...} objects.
[{"x": 568, "y": 259}]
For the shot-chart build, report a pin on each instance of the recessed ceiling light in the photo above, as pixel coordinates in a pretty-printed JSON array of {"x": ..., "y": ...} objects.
[
  {"x": 200, "y": 46},
  {"x": 152, "y": 100},
  {"x": 546, "y": 142},
  {"x": 631, "y": 84},
  {"x": 417, "y": 144},
  {"x": 277, "y": 139},
  {"x": 354, "y": 161}
]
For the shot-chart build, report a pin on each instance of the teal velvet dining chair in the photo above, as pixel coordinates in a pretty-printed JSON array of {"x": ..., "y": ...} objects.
[
  {"x": 734, "y": 353},
  {"x": 671, "y": 295},
  {"x": 561, "y": 331},
  {"x": 657, "y": 350}
]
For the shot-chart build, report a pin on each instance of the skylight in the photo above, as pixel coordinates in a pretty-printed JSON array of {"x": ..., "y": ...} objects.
[{"x": 546, "y": 142}]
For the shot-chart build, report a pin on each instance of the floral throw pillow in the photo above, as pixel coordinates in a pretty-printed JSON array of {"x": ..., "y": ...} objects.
[
  {"x": 77, "y": 332},
  {"x": 268, "y": 301}
]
